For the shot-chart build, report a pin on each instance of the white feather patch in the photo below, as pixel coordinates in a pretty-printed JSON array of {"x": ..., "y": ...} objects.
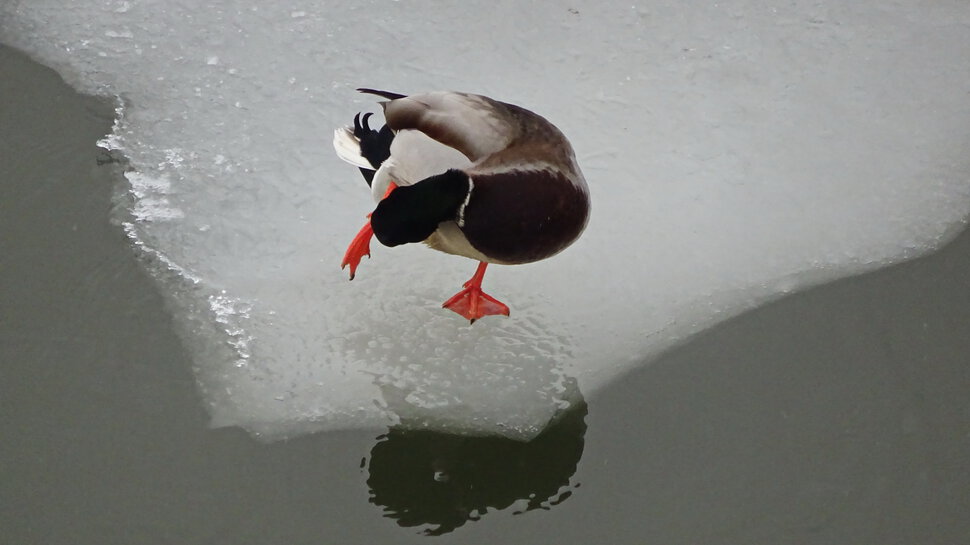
[
  {"x": 468, "y": 197},
  {"x": 414, "y": 157},
  {"x": 382, "y": 180},
  {"x": 347, "y": 147}
]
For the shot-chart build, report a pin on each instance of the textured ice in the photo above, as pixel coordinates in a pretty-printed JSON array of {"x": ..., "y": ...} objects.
[{"x": 735, "y": 151}]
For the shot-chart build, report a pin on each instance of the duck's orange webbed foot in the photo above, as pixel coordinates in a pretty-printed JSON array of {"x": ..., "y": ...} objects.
[
  {"x": 360, "y": 246},
  {"x": 472, "y": 302}
]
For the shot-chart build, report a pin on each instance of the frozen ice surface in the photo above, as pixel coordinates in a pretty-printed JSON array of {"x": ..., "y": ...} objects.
[{"x": 736, "y": 151}]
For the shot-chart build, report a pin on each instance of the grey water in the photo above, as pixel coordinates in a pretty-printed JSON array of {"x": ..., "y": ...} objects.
[{"x": 837, "y": 415}]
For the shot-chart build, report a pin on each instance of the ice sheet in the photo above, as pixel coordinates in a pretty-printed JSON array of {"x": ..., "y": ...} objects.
[{"x": 736, "y": 151}]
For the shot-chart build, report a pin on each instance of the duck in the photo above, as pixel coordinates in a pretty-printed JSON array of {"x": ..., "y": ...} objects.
[{"x": 466, "y": 175}]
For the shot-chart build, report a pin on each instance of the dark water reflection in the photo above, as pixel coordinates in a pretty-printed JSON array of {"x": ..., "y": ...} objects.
[{"x": 441, "y": 481}]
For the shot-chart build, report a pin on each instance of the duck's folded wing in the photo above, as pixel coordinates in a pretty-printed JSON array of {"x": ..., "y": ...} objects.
[{"x": 476, "y": 126}]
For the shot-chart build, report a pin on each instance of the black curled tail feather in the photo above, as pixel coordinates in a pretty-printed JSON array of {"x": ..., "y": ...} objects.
[
  {"x": 375, "y": 146},
  {"x": 412, "y": 213}
]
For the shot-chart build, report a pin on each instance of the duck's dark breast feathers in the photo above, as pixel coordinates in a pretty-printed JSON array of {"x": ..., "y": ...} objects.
[{"x": 521, "y": 216}]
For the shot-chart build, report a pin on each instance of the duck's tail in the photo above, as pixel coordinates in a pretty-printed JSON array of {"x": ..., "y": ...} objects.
[
  {"x": 347, "y": 147},
  {"x": 362, "y": 146}
]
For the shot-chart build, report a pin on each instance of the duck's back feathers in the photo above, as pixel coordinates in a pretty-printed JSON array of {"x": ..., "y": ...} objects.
[
  {"x": 471, "y": 124},
  {"x": 494, "y": 135}
]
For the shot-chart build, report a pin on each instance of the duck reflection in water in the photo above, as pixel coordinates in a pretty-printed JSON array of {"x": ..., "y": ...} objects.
[{"x": 441, "y": 481}]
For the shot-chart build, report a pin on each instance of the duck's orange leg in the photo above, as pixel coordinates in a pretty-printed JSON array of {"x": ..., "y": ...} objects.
[
  {"x": 360, "y": 246},
  {"x": 472, "y": 302}
]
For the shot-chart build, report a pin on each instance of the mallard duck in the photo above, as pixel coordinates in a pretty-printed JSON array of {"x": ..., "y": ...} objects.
[{"x": 470, "y": 176}]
